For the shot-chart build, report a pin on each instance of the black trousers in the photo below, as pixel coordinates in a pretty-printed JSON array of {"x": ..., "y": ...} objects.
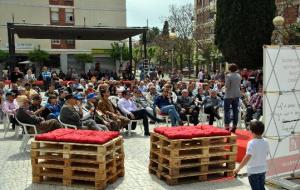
[
  {"x": 252, "y": 114},
  {"x": 144, "y": 115},
  {"x": 13, "y": 121},
  {"x": 212, "y": 114},
  {"x": 193, "y": 118}
]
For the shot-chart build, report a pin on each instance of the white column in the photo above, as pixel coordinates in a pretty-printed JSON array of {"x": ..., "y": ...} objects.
[{"x": 64, "y": 63}]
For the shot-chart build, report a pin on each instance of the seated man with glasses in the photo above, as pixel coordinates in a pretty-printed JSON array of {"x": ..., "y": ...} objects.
[{"x": 164, "y": 106}]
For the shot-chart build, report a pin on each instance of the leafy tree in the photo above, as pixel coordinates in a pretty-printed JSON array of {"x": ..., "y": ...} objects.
[
  {"x": 242, "y": 28},
  {"x": 181, "y": 19},
  {"x": 3, "y": 55},
  {"x": 84, "y": 58},
  {"x": 152, "y": 33},
  {"x": 151, "y": 53},
  {"x": 117, "y": 50},
  {"x": 39, "y": 57}
]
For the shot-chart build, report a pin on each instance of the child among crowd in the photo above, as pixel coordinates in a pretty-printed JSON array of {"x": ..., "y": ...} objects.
[{"x": 255, "y": 158}]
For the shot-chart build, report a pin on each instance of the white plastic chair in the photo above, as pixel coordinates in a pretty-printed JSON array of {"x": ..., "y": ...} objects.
[
  {"x": 241, "y": 120},
  {"x": 202, "y": 116},
  {"x": 26, "y": 136},
  {"x": 6, "y": 124},
  {"x": 138, "y": 122},
  {"x": 65, "y": 124},
  {"x": 164, "y": 117}
]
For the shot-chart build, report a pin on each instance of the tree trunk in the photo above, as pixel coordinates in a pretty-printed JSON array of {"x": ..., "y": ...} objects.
[
  {"x": 37, "y": 69},
  {"x": 181, "y": 62},
  {"x": 1, "y": 70},
  {"x": 197, "y": 68}
]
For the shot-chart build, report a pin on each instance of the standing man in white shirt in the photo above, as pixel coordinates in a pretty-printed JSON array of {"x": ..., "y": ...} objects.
[
  {"x": 201, "y": 76},
  {"x": 256, "y": 157},
  {"x": 129, "y": 108}
]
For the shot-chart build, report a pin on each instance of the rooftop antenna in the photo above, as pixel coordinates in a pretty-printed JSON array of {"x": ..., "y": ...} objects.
[
  {"x": 147, "y": 22},
  {"x": 84, "y": 20}
]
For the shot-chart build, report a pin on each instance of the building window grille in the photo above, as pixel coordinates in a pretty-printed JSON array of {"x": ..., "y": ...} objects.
[
  {"x": 71, "y": 42},
  {"x": 69, "y": 15},
  {"x": 54, "y": 15},
  {"x": 55, "y": 41}
]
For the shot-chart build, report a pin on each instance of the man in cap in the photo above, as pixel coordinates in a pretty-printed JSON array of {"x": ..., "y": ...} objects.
[{"x": 70, "y": 115}]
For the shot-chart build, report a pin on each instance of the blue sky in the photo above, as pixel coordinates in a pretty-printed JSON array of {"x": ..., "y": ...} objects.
[{"x": 155, "y": 10}]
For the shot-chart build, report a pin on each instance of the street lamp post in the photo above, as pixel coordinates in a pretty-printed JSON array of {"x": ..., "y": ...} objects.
[
  {"x": 172, "y": 37},
  {"x": 121, "y": 58}
]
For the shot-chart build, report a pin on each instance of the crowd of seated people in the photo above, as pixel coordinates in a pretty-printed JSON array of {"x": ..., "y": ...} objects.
[{"x": 86, "y": 103}]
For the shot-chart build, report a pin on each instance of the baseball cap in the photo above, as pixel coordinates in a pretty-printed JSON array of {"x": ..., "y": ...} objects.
[
  {"x": 91, "y": 96},
  {"x": 74, "y": 96},
  {"x": 78, "y": 96}
]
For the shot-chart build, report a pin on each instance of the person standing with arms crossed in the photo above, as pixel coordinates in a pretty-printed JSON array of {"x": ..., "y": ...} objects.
[{"x": 231, "y": 98}]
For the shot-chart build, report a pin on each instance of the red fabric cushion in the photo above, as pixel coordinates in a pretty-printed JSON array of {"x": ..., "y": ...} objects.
[
  {"x": 39, "y": 83},
  {"x": 78, "y": 136},
  {"x": 243, "y": 137},
  {"x": 188, "y": 132},
  {"x": 126, "y": 82}
]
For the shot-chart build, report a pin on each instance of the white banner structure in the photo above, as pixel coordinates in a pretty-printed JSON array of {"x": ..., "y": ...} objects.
[{"x": 282, "y": 108}]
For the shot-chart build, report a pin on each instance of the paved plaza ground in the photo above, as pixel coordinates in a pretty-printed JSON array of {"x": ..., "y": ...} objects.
[{"x": 16, "y": 169}]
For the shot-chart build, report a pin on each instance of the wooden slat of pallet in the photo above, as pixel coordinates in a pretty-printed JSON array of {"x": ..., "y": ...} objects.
[
  {"x": 194, "y": 156},
  {"x": 73, "y": 155},
  {"x": 192, "y": 163},
  {"x": 156, "y": 145},
  {"x": 76, "y": 148}
]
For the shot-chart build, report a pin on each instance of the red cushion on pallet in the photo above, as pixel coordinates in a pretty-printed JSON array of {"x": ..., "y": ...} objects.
[
  {"x": 189, "y": 132},
  {"x": 243, "y": 137},
  {"x": 78, "y": 136}
]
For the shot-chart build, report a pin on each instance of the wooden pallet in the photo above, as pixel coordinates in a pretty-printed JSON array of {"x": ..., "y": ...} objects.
[
  {"x": 69, "y": 163},
  {"x": 177, "y": 160},
  {"x": 192, "y": 176}
]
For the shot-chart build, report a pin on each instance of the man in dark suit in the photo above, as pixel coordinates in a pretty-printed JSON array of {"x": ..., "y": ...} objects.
[{"x": 186, "y": 105}]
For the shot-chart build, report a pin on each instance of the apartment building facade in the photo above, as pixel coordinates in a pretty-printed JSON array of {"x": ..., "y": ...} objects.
[
  {"x": 205, "y": 18},
  {"x": 64, "y": 13}
]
